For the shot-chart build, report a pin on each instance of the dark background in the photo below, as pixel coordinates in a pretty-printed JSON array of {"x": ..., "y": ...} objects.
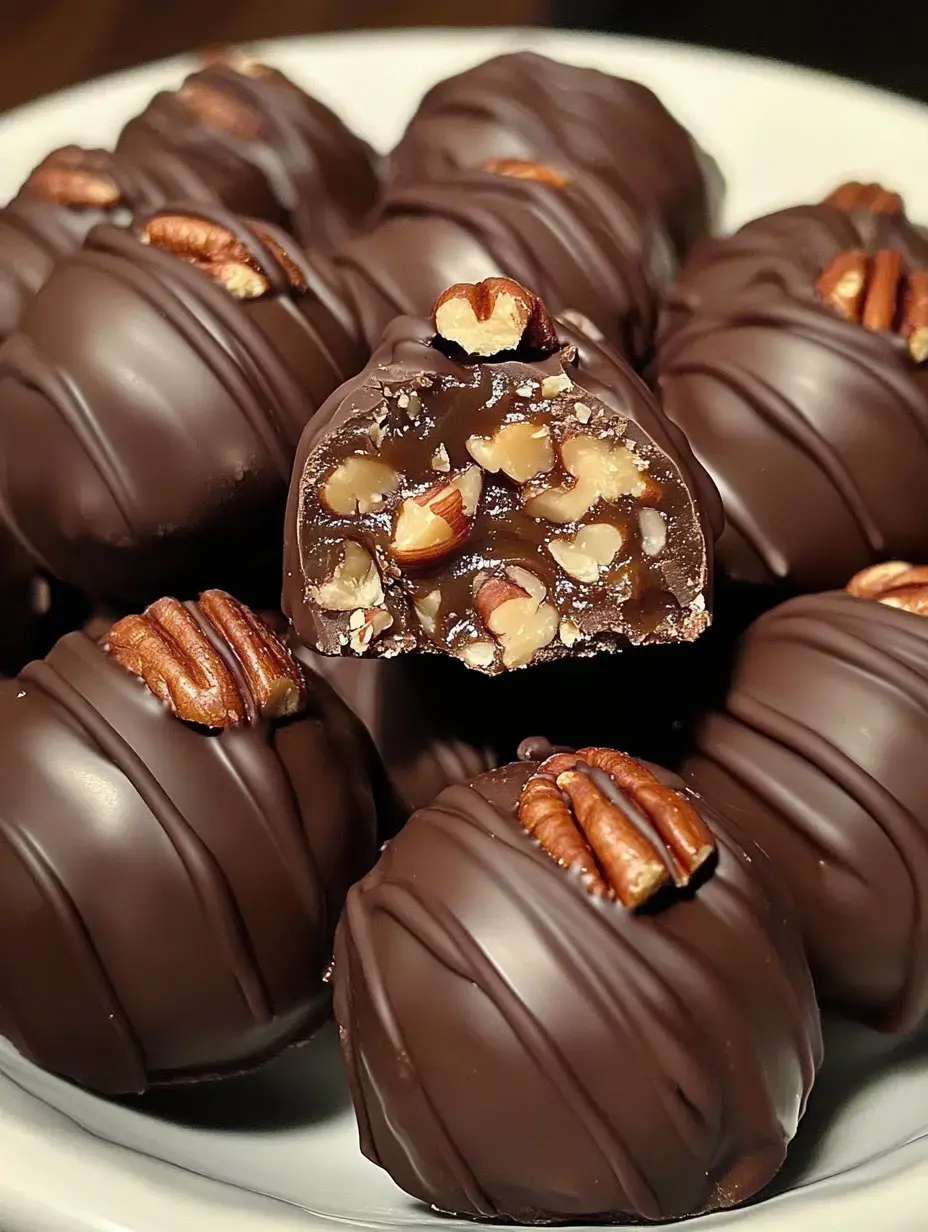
[
  {"x": 884, "y": 42},
  {"x": 47, "y": 44}
]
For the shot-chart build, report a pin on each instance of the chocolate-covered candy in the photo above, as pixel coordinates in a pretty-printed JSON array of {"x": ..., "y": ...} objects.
[
  {"x": 523, "y": 105},
  {"x": 790, "y": 248},
  {"x": 66, "y": 195},
  {"x": 174, "y": 849},
  {"x": 523, "y": 1046},
  {"x": 271, "y": 150},
  {"x": 579, "y": 242},
  {"x": 818, "y": 754},
  {"x": 498, "y": 489},
  {"x": 799, "y": 378},
  {"x": 419, "y": 717},
  {"x": 153, "y": 399}
]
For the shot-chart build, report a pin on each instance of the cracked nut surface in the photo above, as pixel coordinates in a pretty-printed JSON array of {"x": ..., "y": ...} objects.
[
  {"x": 168, "y": 648},
  {"x": 219, "y": 253},
  {"x": 493, "y": 317},
  {"x": 606, "y": 816},
  {"x": 432, "y": 526}
]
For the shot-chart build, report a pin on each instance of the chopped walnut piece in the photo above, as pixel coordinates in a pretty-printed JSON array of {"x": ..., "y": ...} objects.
[
  {"x": 358, "y": 485},
  {"x": 602, "y": 469},
  {"x": 366, "y": 624},
  {"x": 653, "y": 531},
  {"x": 591, "y": 550},
  {"x": 355, "y": 582},
  {"x": 427, "y": 609},
  {"x": 519, "y": 450},
  {"x": 431, "y": 526},
  {"x": 478, "y": 654},
  {"x": 520, "y": 622}
]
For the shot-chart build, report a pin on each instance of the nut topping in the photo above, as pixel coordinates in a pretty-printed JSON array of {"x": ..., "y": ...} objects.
[
  {"x": 77, "y": 178},
  {"x": 602, "y": 470},
  {"x": 877, "y": 293},
  {"x": 358, "y": 485},
  {"x": 895, "y": 583},
  {"x": 215, "y": 250},
  {"x": 365, "y": 625},
  {"x": 220, "y": 110},
  {"x": 520, "y": 621},
  {"x": 605, "y": 815},
  {"x": 871, "y": 197},
  {"x": 354, "y": 583},
  {"x": 435, "y": 524},
  {"x": 494, "y": 317},
  {"x": 169, "y": 650},
  {"x": 525, "y": 169},
  {"x": 519, "y": 450}
]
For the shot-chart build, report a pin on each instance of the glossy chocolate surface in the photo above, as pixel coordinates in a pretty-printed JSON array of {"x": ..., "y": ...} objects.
[
  {"x": 420, "y": 716},
  {"x": 523, "y": 105},
  {"x": 814, "y": 429},
  {"x": 580, "y": 245},
  {"x": 269, "y": 149},
  {"x": 817, "y": 753},
  {"x": 175, "y": 889},
  {"x": 150, "y": 418},
  {"x": 519, "y": 1049},
  {"x": 423, "y": 408}
]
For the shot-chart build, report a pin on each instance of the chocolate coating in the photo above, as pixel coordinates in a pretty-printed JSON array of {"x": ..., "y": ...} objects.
[
  {"x": 818, "y": 754},
  {"x": 150, "y": 418},
  {"x": 523, "y": 105},
  {"x": 789, "y": 248},
  {"x": 178, "y": 888},
  {"x": 418, "y": 718},
  {"x": 518, "y": 1049},
  {"x": 637, "y": 598},
  {"x": 582, "y": 246},
  {"x": 814, "y": 429},
  {"x": 270, "y": 150}
]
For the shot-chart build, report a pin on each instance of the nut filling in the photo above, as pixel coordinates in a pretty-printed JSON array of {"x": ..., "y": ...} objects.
[{"x": 550, "y": 525}]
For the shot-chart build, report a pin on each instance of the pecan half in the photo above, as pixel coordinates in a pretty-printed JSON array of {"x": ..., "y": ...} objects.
[
  {"x": 607, "y": 816},
  {"x": 871, "y": 197},
  {"x": 895, "y": 583},
  {"x": 494, "y": 317},
  {"x": 877, "y": 293},
  {"x": 216, "y": 251},
  {"x": 78, "y": 178},
  {"x": 168, "y": 648},
  {"x": 525, "y": 169},
  {"x": 220, "y": 110}
]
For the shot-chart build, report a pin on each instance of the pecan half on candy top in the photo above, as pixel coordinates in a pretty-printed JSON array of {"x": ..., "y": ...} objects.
[
  {"x": 878, "y": 293},
  {"x": 607, "y": 816},
  {"x": 895, "y": 583},
  {"x": 213, "y": 662}
]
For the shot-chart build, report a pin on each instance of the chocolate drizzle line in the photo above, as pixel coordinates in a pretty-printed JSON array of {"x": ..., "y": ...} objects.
[{"x": 206, "y": 876}]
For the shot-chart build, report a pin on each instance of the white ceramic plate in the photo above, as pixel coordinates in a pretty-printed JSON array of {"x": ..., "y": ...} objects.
[{"x": 277, "y": 1151}]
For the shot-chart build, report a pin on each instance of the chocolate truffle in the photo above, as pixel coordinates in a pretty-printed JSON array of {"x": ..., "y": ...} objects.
[
  {"x": 522, "y": 105},
  {"x": 270, "y": 149},
  {"x": 183, "y": 813},
  {"x": 153, "y": 399},
  {"x": 798, "y": 375},
  {"x": 495, "y": 488},
  {"x": 523, "y": 1044},
  {"x": 791, "y": 248},
  {"x": 818, "y": 754},
  {"x": 576, "y": 240}
]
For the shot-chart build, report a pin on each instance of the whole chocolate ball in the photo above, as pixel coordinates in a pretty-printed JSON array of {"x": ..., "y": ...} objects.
[
  {"x": 153, "y": 399},
  {"x": 174, "y": 849},
  {"x": 520, "y": 1048},
  {"x": 817, "y": 753}
]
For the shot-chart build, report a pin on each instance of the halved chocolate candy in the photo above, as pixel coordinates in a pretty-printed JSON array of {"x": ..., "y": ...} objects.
[{"x": 497, "y": 488}]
